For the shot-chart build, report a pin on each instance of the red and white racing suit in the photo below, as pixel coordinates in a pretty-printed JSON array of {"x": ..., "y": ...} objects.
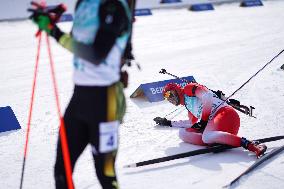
[{"x": 223, "y": 123}]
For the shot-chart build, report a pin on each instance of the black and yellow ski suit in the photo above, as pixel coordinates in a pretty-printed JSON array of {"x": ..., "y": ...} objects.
[{"x": 98, "y": 39}]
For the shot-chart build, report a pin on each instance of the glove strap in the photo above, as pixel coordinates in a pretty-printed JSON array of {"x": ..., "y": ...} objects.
[{"x": 56, "y": 33}]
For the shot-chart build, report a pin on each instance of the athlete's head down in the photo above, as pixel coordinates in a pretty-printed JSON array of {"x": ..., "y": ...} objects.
[{"x": 172, "y": 92}]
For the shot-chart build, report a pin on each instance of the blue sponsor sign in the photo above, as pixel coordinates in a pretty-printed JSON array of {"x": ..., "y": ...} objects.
[
  {"x": 143, "y": 12},
  {"x": 201, "y": 7},
  {"x": 66, "y": 18},
  {"x": 8, "y": 120},
  {"x": 154, "y": 91},
  {"x": 170, "y": 1},
  {"x": 251, "y": 3}
]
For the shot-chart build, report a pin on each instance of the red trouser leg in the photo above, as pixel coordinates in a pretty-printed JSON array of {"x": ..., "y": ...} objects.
[
  {"x": 191, "y": 136},
  {"x": 223, "y": 128}
]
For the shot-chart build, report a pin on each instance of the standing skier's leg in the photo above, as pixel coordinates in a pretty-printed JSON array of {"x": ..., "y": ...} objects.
[
  {"x": 77, "y": 138},
  {"x": 104, "y": 136}
]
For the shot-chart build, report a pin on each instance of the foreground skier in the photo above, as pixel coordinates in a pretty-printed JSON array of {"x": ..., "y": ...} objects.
[
  {"x": 98, "y": 40},
  {"x": 209, "y": 122}
]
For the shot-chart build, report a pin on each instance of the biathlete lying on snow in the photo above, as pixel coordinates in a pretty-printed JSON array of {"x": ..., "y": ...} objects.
[{"x": 205, "y": 124}]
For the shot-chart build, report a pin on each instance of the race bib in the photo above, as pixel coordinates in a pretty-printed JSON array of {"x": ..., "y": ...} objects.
[
  {"x": 194, "y": 105},
  {"x": 108, "y": 136}
]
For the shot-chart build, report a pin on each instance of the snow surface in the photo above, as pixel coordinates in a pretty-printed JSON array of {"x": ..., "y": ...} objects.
[{"x": 220, "y": 48}]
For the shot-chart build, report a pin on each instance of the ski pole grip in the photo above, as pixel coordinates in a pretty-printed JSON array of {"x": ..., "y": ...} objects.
[
  {"x": 57, "y": 12},
  {"x": 60, "y": 9},
  {"x": 38, "y": 5},
  {"x": 163, "y": 71}
]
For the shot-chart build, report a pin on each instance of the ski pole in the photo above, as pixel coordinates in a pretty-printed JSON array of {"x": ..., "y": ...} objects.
[
  {"x": 212, "y": 149},
  {"x": 30, "y": 110},
  {"x": 249, "y": 79},
  {"x": 174, "y": 112},
  {"x": 62, "y": 131},
  {"x": 59, "y": 10},
  {"x": 244, "y": 109},
  {"x": 164, "y": 71},
  {"x": 261, "y": 160}
]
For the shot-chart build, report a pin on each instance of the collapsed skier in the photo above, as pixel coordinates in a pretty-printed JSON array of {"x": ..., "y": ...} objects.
[{"x": 210, "y": 120}]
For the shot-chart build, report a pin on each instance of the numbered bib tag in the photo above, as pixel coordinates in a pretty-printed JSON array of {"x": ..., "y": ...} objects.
[{"x": 108, "y": 136}]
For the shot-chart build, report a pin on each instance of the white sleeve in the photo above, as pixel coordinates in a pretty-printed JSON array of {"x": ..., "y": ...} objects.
[{"x": 181, "y": 124}]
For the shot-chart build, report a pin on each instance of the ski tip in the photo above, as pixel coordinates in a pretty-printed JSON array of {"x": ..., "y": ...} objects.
[
  {"x": 130, "y": 165},
  {"x": 230, "y": 185},
  {"x": 226, "y": 186}
]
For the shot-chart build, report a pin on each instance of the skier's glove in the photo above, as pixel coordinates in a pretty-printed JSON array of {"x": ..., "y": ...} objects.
[
  {"x": 46, "y": 18},
  {"x": 162, "y": 121},
  {"x": 200, "y": 126}
]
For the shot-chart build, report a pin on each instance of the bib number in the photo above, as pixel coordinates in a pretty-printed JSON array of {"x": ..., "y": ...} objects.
[{"x": 108, "y": 136}]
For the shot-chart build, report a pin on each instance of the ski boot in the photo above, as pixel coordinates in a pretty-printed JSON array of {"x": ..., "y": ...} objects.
[{"x": 257, "y": 148}]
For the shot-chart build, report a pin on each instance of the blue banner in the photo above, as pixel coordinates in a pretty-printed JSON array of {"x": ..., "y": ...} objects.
[
  {"x": 143, "y": 12},
  {"x": 251, "y": 3},
  {"x": 201, "y": 7},
  {"x": 8, "y": 120},
  {"x": 154, "y": 91},
  {"x": 170, "y": 1},
  {"x": 66, "y": 18}
]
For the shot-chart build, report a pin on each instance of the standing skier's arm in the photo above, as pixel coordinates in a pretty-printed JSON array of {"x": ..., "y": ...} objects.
[
  {"x": 114, "y": 21},
  {"x": 93, "y": 53},
  {"x": 128, "y": 55}
]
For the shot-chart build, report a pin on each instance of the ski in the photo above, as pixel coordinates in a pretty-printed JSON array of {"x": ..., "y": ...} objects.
[
  {"x": 213, "y": 149},
  {"x": 258, "y": 162}
]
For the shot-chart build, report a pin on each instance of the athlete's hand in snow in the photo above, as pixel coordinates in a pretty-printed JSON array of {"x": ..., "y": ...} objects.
[
  {"x": 162, "y": 121},
  {"x": 46, "y": 18}
]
